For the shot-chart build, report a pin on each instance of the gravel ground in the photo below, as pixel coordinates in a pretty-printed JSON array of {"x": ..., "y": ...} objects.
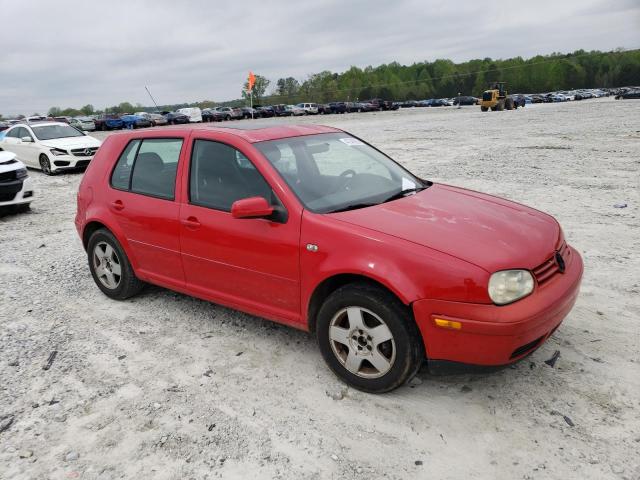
[{"x": 169, "y": 387}]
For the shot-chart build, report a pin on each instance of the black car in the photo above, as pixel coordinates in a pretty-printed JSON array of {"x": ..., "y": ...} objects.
[
  {"x": 175, "y": 118},
  {"x": 248, "y": 112},
  {"x": 281, "y": 110},
  {"x": 338, "y": 107},
  {"x": 465, "y": 100},
  {"x": 266, "y": 112},
  {"x": 324, "y": 108},
  {"x": 383, "y": 104},
  {"x": 211, "y": 115}
]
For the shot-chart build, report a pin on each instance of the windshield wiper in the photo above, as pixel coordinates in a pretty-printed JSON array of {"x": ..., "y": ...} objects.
[
  {"x": 352, "y": 207},
  {"x": 404, "y": 193}
]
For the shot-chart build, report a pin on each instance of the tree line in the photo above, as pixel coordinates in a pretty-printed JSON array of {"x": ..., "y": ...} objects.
[{"x": 422, "y": 80}]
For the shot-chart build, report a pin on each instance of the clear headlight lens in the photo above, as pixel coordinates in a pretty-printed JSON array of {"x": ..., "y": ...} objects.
[
  {"x": 21, "y": 173},
  {"x": 59, "y": 151},
  {"x": 507, "y": 286}
]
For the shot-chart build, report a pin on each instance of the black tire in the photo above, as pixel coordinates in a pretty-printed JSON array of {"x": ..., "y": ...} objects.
[
  {"x": 484, "y": 109},
  {"x": 128, "y": 284},
  {"x": 405, "y": 349},
  {"x": 508, "y": 103},
  {"x": 45, "y": 165}
]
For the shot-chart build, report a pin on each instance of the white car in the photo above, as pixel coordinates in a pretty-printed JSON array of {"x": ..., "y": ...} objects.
[
  {"x": 50, "y": 146},
  {"x": 309, "y": 108},
  {"x": 16, "y": 189},
  {"x": 194, "y": 114}
]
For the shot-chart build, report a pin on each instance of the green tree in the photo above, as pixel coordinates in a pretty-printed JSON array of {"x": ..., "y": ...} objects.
[
  {"x": 54, "y": 112},
  {"x": 259, "y": 88}
]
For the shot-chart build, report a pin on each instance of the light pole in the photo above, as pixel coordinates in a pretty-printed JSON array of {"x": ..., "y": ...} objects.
[{"x": 459, "y": 106}]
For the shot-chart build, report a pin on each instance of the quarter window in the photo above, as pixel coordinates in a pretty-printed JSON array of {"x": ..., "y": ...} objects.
[{"x": 220, "y": 175}]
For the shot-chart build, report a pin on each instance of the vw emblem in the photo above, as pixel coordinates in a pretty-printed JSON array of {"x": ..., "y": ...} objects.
[
  {"x": 560, "y": 262},
  {"x": 87, "y": 152}
]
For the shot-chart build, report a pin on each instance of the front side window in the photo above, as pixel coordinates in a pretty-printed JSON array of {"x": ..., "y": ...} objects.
[
  {"x": 334, "y": 171},
  {"x": 148, "y": 167},
  {"x": 220, "y": 175},
  {"x": 49, "y": 132}
]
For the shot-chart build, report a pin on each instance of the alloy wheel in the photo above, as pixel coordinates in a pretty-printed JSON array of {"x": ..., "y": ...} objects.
[
  {"x": 362, "y": 342},
  {"x": 107, "y": 265}
]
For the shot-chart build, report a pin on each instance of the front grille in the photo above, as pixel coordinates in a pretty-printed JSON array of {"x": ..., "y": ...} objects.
[
  {"x": 526, "y": 348},
  {"x": 8, "y": 176},
  {"x": 547, "y": 270},
  {"x": 7, "y": 197},
  {"x": 84, "y": 152}
]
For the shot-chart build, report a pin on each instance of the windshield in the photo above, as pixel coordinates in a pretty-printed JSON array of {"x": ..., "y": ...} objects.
[
  {"x": 49, "y": 132},
  {"x": 330, "y": 172}
]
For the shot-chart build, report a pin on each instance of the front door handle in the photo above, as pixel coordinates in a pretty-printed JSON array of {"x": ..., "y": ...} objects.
[
  {"x": 118, "y": 205},
  {"x": 191, "y": 222}
]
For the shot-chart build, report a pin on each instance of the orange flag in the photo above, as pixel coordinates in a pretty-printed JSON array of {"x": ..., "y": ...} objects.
[{"x": 252, "y": 80}]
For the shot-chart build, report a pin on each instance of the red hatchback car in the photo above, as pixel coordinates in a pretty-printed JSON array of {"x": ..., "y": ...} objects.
[{"x": 314, "y": 228}]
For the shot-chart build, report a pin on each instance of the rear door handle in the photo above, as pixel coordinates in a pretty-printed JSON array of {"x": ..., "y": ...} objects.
[
  {"x": 118, "y": 205},
  {"x": 191, "y": 222}
]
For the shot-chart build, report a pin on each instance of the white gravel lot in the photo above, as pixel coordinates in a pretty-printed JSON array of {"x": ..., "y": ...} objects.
[{"x": 169, "y": 387}]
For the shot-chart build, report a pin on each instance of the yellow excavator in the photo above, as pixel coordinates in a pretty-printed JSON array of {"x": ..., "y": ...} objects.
[{"x": 496, "y": 99}]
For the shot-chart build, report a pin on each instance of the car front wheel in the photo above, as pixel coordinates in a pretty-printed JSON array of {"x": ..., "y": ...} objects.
[
  {"x": 45, "y": 165},
  {"x": 110, "y": 267},
  {"x": 368, "y": 338}
]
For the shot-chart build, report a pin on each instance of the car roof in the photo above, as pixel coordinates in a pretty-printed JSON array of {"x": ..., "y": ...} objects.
[
  {"x": 252, "y": 132},
  {"x": 38, "y": 124}
]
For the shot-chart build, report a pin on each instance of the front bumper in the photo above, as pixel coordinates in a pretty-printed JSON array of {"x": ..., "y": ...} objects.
[
  {"x": 16, "y": 192},
  {"x": 69, "y": 162},
  {"x": 492, "y": 335}
]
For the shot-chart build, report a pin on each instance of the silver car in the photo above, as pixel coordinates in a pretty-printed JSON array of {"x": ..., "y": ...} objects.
[{"x": 83, "y": 123}]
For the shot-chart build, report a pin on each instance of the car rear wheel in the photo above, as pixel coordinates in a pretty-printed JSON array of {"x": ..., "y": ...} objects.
[
  {"x": 45, "y": 165},
  {"x": 110, "y": 267},
  {"x": 368, "y": 338}
]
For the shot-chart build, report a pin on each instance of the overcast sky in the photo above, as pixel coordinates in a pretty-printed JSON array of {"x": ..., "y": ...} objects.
[{"x": 70, "y": 53}]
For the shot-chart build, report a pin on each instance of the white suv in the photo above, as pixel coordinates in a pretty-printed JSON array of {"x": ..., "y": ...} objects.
[
  {"x": 309, "y": 108},
  {"x": 50, "y": 146},
  {"x": 16, "y": 189}
]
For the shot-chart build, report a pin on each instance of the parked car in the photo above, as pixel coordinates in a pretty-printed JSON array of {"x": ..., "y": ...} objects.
[
  {"x": 294, "y": 110},
  {"x": 466, "y": 100},
  {"x": 16, "y": 188},
  {"x": 309, "y": 108},
  {"x": 249, "y": 112},
  {"x": 281, "y": 110},
  {"x": 230, "y": 113},
  {"x": 353, "y": 107},
  {"x": 155, "y": 119},
  {"x": 324, "y": 108},
  {"x": 4, "y": 125},
  {"x": 174, "y": 118},
  {"x": 83, "y": 123},
  {"x": 135, "y": 121},
  {"x": 314, "y": 228},
  {"x": 64, "y": 119},
  {"x": 108, "y": 122},
  {"x": 383, "y": 104},
  {"x": 266, "y": 111},
  {"x": 211, "y": 115},
  {"x": 338, "y": 107},
  {"x": 194, "y": 114},
  {"x": 50, "y": 146},
  {"x": 368, "y": 107}
]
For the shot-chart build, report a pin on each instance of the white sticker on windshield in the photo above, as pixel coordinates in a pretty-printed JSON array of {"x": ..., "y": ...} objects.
[
  {"x": 352, "y": 142},
  {"x": 407, "y": 184}
]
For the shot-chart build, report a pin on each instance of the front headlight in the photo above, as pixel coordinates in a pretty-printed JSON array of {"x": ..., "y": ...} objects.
[
  {"x": 59, "y": 151},
  {"x": 507, "y": 286},
  {"x": 21, "y": 173}
]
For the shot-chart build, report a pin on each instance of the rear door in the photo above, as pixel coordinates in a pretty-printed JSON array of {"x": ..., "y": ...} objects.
[
  {"x": 250, "y": 264},
  {"x": 142, "y": 198}
]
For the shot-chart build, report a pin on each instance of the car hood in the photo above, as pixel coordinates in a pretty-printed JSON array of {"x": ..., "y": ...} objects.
[
  {"x": 8, "y": 162},
  {"x": 490, "y": 232},
  {"x": 72, "y": 142}
]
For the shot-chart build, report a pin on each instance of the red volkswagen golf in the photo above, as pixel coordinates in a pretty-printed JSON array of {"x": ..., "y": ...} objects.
[{"x": 314, "y": 228}]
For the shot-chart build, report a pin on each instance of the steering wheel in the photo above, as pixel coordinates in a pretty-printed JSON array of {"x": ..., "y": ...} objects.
[{"x": 345, "y": 178}]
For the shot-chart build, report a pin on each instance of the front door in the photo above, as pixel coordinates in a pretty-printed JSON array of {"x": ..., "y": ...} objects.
[
  {"x": 142, "y": 199},
  {"x": 249, "y": 264}
]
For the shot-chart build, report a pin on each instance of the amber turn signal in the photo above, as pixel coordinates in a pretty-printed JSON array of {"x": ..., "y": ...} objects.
[{"x": 450, "y": 324}]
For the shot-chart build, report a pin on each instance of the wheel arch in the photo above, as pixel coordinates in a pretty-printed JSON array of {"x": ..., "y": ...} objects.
[{"x": 330, "y": 284}]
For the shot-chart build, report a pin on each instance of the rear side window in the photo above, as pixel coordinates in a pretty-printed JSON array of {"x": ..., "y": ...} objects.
[{"x": 149, "y": 167}]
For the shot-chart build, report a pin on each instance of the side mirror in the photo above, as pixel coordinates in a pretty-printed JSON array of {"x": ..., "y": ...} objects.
[
  {"x": 27, "y": 139},
  {"x": 253, "y": 207}
]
